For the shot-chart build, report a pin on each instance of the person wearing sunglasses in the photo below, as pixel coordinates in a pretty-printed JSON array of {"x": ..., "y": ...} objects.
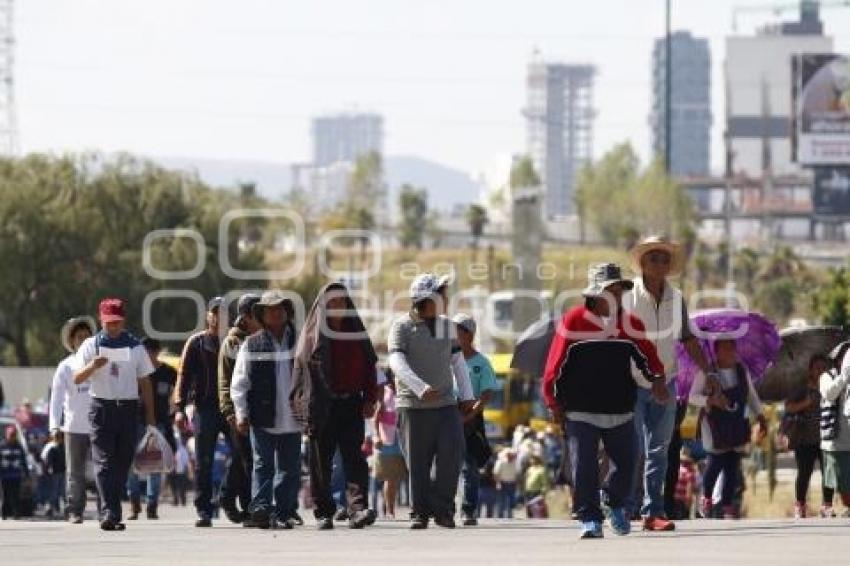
[{"x": 662, "y": 309}]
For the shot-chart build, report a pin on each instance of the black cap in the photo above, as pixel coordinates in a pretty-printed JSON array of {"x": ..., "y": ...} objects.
[{"x": 246, "y": 303}]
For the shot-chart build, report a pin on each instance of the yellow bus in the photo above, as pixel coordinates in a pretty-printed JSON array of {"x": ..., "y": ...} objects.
[{"x": 511, "y": 404}]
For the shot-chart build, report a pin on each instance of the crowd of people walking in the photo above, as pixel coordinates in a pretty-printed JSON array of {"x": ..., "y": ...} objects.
[{"x": 268, "y": 418}]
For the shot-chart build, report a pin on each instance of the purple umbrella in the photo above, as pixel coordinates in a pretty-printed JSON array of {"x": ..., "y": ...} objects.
[{"x": 756, "y": 337}]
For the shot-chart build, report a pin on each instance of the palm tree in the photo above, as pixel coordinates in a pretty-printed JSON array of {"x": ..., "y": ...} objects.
[{"x": 476, "y": 217}]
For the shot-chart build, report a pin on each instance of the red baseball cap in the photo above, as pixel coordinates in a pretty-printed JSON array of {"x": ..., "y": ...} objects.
[{"x": 111, "y": 310}]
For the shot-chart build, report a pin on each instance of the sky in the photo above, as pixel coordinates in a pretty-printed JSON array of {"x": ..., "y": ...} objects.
[{"x": 241, "y": 79}]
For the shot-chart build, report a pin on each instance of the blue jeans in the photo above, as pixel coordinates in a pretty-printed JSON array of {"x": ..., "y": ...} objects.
[
  {"x": 507, "y": 500},
  {"x": 471, "y": 485},
  {"x": 654, "y": 424},
  {"x": 208, "y": 424},
  {"x": 619, "y": 444},
  {"x": 276, "y": 478},
  {"x": 134, "y": 486},
  {"x": 53, "y": 488}
]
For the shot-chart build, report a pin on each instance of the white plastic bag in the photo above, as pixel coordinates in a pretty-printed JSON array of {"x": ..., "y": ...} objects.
[{"x": 153, "y": 454}]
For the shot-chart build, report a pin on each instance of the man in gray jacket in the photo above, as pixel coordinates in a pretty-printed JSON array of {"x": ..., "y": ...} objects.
[{"x": 427, "y": 362}]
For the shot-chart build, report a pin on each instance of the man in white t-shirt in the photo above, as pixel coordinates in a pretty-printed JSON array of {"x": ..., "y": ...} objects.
[{"x": 116, "y": 366}]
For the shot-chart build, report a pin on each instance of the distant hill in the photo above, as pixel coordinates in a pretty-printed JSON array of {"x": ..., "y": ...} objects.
[{"x": 447, "y": 187}]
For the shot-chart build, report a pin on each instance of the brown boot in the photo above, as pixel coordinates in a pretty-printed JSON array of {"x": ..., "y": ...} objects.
[{"x": 135, "y": 509}]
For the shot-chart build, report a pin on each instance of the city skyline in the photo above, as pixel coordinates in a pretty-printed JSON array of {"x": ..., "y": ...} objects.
[{"x": 202, "y": 80}]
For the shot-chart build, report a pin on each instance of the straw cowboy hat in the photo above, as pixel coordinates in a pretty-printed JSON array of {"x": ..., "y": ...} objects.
[
  {"x": 659, "y": 243},
  {"x": 71, "y": 324}
]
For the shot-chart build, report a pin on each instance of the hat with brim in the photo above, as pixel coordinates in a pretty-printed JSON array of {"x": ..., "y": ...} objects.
[
  {"x": 70, "y": 325},
  {"x": 662, "y": 244},
  {"x": 603, "y": 275},
  {"x": 271, "y": 298}
]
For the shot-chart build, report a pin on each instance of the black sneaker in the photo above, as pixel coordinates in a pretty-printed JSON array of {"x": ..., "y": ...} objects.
[
  {"x": 341, "y": 515},
  {"x": 232, "y": 513},
  {"x": 203, "y": 522},
  {"x": 276, "y": 524},
  {"x": 371, "y": 517},
  {"x": 297, "y": 518},
  {"x": 151, "y": 513},
  {"x": 107, "y": 525},
  {"x": 325, "y": 524},
  {"x": 249, "y": 523},
  {"x": 359, "y": 520},
  {"x": 446, "y": 521},
  {"x": 418, "y": 523}
]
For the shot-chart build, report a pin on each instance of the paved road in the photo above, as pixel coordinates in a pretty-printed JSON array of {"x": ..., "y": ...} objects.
[{"x": 173, "y": 540}]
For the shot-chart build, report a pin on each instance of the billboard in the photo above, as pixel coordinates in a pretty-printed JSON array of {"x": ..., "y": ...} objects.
[
  {"x": 821, "y": 98},
  {"x": 831, "y": 196}
]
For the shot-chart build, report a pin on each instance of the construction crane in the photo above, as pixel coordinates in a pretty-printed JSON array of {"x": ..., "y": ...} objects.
[{"x": 804, "y": 7}]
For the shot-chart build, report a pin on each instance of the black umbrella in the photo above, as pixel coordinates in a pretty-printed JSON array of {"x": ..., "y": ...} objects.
[
  {"x": 532, "y": 346},
  {"x": 788, "y": 374}
]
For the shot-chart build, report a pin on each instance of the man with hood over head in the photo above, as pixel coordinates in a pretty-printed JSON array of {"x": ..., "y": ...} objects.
[{"x": 335, "y": 388}]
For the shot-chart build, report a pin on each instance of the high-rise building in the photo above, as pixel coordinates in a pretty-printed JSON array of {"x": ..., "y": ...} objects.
[
  {"x": 345, "y": 137},
  {"x": 559, "y": 115},
  {"x": 690, "y": 104},
  {"x": 758, "y": 95}
]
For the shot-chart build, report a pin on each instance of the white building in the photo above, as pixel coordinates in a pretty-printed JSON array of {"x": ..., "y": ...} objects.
[{"x": 758, "y": 79}]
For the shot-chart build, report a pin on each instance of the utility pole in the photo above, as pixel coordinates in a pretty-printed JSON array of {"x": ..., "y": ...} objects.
[{"x": 668, "y": 91}]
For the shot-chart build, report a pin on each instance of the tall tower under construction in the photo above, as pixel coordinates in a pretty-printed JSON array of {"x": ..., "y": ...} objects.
[{"x": 559, "y": 114}]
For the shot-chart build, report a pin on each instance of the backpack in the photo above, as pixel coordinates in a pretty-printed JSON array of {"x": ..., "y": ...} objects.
[{"x": 730, "y": 428}]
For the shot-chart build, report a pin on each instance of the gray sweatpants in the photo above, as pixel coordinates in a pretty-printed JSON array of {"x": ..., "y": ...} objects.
[
  {"x": 77, "y": 448},
  {"x": 432, "y": 438}
]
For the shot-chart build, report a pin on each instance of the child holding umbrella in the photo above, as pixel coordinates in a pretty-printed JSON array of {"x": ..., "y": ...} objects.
[{"x": 724, "y": 427}]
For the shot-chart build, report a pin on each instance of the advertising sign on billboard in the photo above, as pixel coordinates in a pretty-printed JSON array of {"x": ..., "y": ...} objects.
[{"x": 821, "y": 96}]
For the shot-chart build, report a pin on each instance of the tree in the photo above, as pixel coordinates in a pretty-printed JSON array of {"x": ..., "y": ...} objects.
[
  {"x": 72, "y": 231},
  {"x": 366, "y": 183},
  {"x": 434, "y": 230},
  {"x": 624, "y": 202},
  {"x": 414, "y": 214},
  {"x": 523, "y": 173},
  {"x": 476, "y": 217},
  {"x": 832, "y": 300}
]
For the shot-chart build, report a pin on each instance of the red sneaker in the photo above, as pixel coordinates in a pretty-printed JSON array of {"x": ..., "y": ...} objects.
[{"x": 658, "y": 524}]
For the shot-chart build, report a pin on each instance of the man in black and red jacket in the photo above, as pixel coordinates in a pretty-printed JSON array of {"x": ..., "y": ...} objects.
[{"x": 589, "y": 387}]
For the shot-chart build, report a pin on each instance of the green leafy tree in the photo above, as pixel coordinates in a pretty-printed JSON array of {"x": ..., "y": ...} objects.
[
  {"x": 72, "y": 231},
  {"x": 832, "y": 300},
  {"x": 624, "y": 202},
  {"x": 413, "y": 203},
  {"x": 523, "y": 174}
]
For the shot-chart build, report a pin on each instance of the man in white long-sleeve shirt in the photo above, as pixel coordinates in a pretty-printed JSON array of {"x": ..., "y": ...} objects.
[
  {"x": 69, "y": 413},
  {"x": 428, "y": 363},
  {"x": 262, "y": 382}
]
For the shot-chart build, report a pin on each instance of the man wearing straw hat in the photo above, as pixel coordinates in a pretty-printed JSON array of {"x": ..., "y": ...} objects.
[
  {"x": 69, "y": 413},
  {"x": 662, "y": 309}
]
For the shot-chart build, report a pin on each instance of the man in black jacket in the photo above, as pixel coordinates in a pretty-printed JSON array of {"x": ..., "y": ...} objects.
[{"x": 197, "y": 383}]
